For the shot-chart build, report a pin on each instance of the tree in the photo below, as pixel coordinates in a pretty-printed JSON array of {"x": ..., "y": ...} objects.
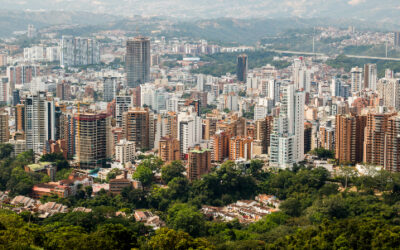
[
  {"x": 291, "y": 206},
  {"x": 89, "y": 191},
  {"x": 71, "y": 237},
  {"x": 323, "y": 153},
  {"x": 255, "y": 168},
  {"x": 172, "y": 170},
  {"x": 178, "y": 188},
  {"x": 52, "y": 157},
  {"x": 113, "y": 236},
  {"x": 181, "y": 216},
  {"x": 144, "y": 175},
  {"x": 6, "y": 150},
  {"x": 166, "y": 239},
  {"x": 113, "y": 174}
]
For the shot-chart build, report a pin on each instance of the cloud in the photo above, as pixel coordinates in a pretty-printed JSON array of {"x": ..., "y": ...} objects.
[{"x": 356, "y": 2}]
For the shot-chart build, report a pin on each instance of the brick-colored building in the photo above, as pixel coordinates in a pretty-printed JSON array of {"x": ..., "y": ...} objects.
[
  {"x": 263, "y": 132},
  {"x": 4, "y": 130},
  {"x": 240, "y": 147},
  {"x": 93, "y": 142},
  {"x": 137, "y": 127},
  {"x": 392, "y": 145},
  {"x": 374, "y": 138},
  {"x": 349, "y": 138},
  {"x": 169, "y": 149},
  {"x": 199, "y": 163}
]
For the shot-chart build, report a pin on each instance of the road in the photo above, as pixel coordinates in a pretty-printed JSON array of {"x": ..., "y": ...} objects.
[{"x": 321, "y": 54}]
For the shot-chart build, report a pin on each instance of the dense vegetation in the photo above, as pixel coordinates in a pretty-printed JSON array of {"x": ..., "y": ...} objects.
[
  {"x": 317, "y": 211},
  {"x": 222, "y": 63},
  {"x": 347, "y": 63}
]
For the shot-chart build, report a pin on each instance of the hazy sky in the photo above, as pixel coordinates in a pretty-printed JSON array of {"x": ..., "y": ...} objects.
[{"x": 218, "y": 8}]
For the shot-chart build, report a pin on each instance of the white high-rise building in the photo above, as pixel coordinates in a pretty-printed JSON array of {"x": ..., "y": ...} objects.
[
  {"x": 301, "y": 76},
  {"x": 389, "y": 91},
  {"x": 35, "y": 54},
  {"x": 200, "y": 82},
  {"x": 356, "y": 79},
  {"x": 287, "y": 138},
  {"x": 76, "y": 51},
  {"x": 189, "y": 130},
  {"x": 336, "y": 87},
  {"x": 39, "y": 121},
  {"x": 53, "y": 54},
  {"x": 147, "y": 94},
  {"x": 122, "y": 104},
  {"x": 5, "y": 93},
  {"x": 125, "y": 151},
  {"x": 272, "y": 90},
  {"x": 370, "y": 76},
  {"x": 260, "y": 112}
]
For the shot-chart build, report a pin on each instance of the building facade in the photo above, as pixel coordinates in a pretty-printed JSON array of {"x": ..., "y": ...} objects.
[{"x": 137, "y": 64}]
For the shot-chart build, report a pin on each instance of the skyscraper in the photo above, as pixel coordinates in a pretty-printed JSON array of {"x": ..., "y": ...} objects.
[
  {"x": 374, "y": 138},
  {"x": 336, "y": 87},
  {"x": 356, "y": 79},
  {"x": 63, "y": 91},
  {"x": 20, "y": 117},
  {"x": 220, "y": 145},
  {"x": 21, "y": 74},
  {"x": 138, "y": 126},
  {"x": 4, "y": 131},
  {"x": 137, "y": 61},
  {"x": 370, "y": 76},
  {"x": 39, "y": 121},
  {"x": 240, "y": 147},
  {"x": 263, "y": 132},
  {"x": 109, "y": 85},
  {"x": 349, "y": 138},
  {"x": 93, "y": 139},
  {"x": 4, "y": 91},
  {"x": 397, "y": 39},
  {"x": 169, "y": 149},
  {"x": 122, "y": 104},
  {"x": 287, "y": 137},
  {"x": 389, "y": 91},
  {"x": 77, "y": 51},
  {"x": 242, "y": 68},
  {"x": 189, "y": 131},
  {"x": 199, "y": 163},
  {"x": 392, "y": 145}
]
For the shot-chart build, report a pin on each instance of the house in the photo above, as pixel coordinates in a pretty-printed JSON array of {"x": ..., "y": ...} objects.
[
  {"x": 82, "y": 209},
  {"x": 23, "y": 201},
  {"x": 42, "y": 167},
  {"x": 117, "y": 185},
  {"x": 50, "y": 188},
  {"x": 142, "y": 215}
]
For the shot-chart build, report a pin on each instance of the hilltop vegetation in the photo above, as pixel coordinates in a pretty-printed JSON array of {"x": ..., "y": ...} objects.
[{"x": 317, "y": 212}]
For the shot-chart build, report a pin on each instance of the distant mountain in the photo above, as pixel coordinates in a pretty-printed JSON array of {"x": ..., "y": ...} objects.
[
  {"x": 371, "y": 10},
  {"x": 224, "y": 30},
  {"x": 11, "y": 21}
]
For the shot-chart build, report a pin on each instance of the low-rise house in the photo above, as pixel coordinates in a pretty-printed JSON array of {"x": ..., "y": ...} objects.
[
  {"x": 50, "y": 188},
  {"x": 4, "y": 197},
  {"x": 117, "y": 185},
  {"x": 246, "y": 211},
  {"x": 82, "y": 209},
  {"x": 42, "y": 167},
  {"x": 149, "y": 219},
  {"x": 23, "y": 201}
]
